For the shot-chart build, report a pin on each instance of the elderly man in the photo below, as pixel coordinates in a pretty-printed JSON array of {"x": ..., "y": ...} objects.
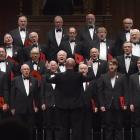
[{"x": 24, "y": 96}]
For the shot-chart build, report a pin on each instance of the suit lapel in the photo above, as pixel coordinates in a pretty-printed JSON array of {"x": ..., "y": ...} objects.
[
  {"x": 88, "y": 33},
  {"x": 22, "y": 87},
  {"x": 123, "y": 63},
  {"x": 53, "y": 36},
  {"x": 19, "y": 37},
  {"x": 131, "y": 64},
  {"x": 108, "y": 79}
]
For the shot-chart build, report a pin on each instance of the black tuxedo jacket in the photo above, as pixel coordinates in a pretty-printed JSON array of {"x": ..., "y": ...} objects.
[
  {"x": 19, "y": 100},
  {"x": 108, "y": 95},
  {"x": 134, "y": 90},
  {"x": 67, "y": 48},
  {"x": 121, "y": 38},
  {"x": 52, "y": 47},
  {"x": 17, "y": 38},
  {"x": 133, "y": 65},
  {"x": 40, "y": 66},
  {"x": 47, "y": 93},
  {"x": 102, "y": 68},
  {"x": 90, "y": 93},
  {"x": 69, "y": 89},
  {"x": 16, "y": 54},
  {"x": 109, "y": 44},
  {"x": 85, "y": 38},
  {"x": 4, "y": 92}
]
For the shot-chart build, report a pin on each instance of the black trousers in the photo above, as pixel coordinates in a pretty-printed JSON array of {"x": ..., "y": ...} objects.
[
  {"x": 113, "y": 124},
  {"x": 71, "y": 124},
  {"x": 136, "y": 123},
  {"x": 49, "y": 122},
  {"x": 92, "y": 124}
]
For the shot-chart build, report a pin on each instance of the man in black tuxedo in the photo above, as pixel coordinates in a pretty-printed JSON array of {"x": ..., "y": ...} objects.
[
  {"x": 91, "y": 105},
  {"x": 112, "y": 93},
  {"x": 20, "y": 35},
  {"x": 54, "y": 38},
  {"x": 135, "y": 100},
  {"x": 4, "y": 94},
  {"x": 123, "y": 35},
  {"x": 24, "y": 96},
  {"x": 127, "y": 63},
  {"x": 69, "y": 101},
  {"x": 87, "y": 34},
  {"x": 72, "y": 45},
  {"x": 96, "y": 65},
  {"x": 103, "y": 44},
  {"x": 13, "y": 52},
  {"x": 8, "y": 67},
  {"x": 34, "y": 63},
  {"x": 34, "y": 42},
  {"x": 48, "y": 103}
]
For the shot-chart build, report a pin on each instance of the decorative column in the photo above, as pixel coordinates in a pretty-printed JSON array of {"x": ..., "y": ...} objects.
[
  {"x": 20, "y": 7},
  {"x": 88, "y": 6},
  {"x": 37, "y": 7},
  {"x": 107, "y": 8}
]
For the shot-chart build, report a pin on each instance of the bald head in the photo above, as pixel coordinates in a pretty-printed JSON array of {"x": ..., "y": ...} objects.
[
  {"x": 25, "y": 70},
  {"x": 70, "y": 63}
]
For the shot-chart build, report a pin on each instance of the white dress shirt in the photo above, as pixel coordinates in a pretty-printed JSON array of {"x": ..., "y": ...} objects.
[
  {"x": 53, "y": 85},
  {"x": 26, "y": 85},
  {"x": 136, "y": 49},
  {"x": 91, "y": 31},
  {"x": 23, "y": 36},
  {"x": 103, "y": 51},
  {"x": 95, "y": 67},
  {"x": 113, "y": 79},
  {"x": 127, "y": 62},
  {"x": 3, "y": 66},
  {"x": 127, "y": 35},
  {"x": 58, "y": 36},
  {"x": 72, "y": 46},
  {"x": 9, "y": 52}
]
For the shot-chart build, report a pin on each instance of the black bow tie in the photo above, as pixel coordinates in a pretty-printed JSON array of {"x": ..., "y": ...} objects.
[
  {"x": 34, "y": 45},
  {"x": 1, "y": 61},
  {"x": 90, "y": 27},
  {"x": 72, "y": 40},
  {"x": 95, "y": 61},
  {"x": 102, "y": 41},
  {"x": 61, "y": 64},
  {"x": 136, "y": 43},
  {"x": 22, "y": 29},
  {"x": 127, "y": 31},
  {"x": 58, "y": 30},
  {"x": 34, "y": 63},
  {"x": 8, "y": 47},
  {"x": 127, "y": 56},
  {"x": 25, "y": 78}
]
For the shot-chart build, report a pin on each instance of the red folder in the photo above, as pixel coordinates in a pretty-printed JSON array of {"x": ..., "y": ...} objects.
[
  {"x": 122, "y": 101},
  {"x": 93, "y": 105},
  {"x": 78, "y": 58}
]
